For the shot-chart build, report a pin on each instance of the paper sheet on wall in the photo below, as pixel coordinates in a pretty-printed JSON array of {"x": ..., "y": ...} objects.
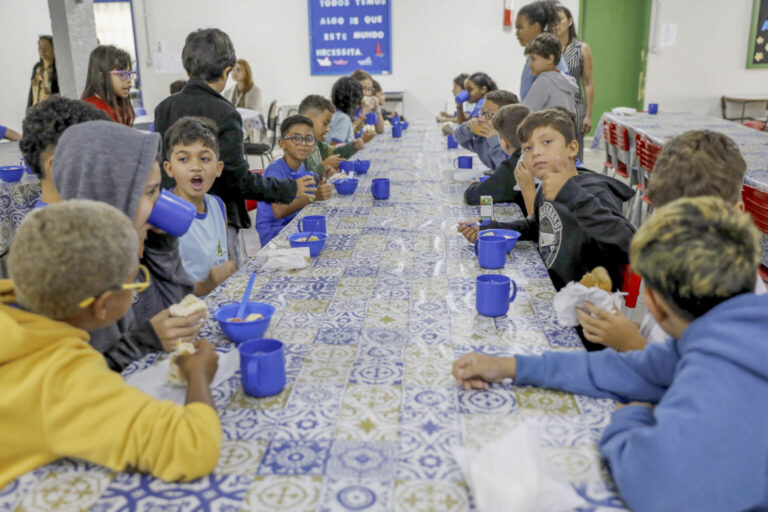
[
  {"x": 165, "y": 61},
  {"x": 668, "y": 35}
]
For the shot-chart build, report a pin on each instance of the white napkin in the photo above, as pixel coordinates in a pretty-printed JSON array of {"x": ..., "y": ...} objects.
[
  {"x": 510, "y": 473},
  {"x": 623, "y": 111},
  {"x": 152, "y": 380},
  {"x": 287, "y": 259},
  {"x": 575, "y": 295}
]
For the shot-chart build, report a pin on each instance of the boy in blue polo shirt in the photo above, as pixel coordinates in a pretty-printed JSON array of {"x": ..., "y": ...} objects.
[{"x": 297, "y": 141}]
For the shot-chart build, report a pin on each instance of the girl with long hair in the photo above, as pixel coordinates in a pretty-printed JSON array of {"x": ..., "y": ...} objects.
[{"x": 108, "y": 86}]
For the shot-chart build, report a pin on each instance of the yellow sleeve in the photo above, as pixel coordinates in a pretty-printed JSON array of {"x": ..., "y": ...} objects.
[{"x": 89, "y": 412}]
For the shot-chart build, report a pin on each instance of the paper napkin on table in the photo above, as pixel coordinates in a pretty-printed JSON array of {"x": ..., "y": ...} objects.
[
  {"x": 511, "y": 473},
  {"x": 287, "y": 259},
  {"x": 575, "y": 294}
]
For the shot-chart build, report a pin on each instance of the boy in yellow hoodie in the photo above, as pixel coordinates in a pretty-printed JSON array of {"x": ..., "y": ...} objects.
[{"x": 73, "y": 267}]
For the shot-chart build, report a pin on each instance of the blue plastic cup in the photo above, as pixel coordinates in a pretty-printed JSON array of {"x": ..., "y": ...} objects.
[
  {"x": 347, "y": 166},
  {"x": 653, "y": 108},
  {"x": 371, "y": 118},
  {"x": 380, "y": 188},
  {"x": 262, "y": 367},
  {"x": 172, "y": 214},
  {"x": 462, "y": 97},
  {"x": 397, "y": 130},
  {"x": 463, "y": 162},
  {"x": 394, "y": 120},
  {"x": 492, "y": 297},
  {"x": 312, "y": 223},
  {"x": 452, "y": 144},
  {"x": 491, "y": 251}
]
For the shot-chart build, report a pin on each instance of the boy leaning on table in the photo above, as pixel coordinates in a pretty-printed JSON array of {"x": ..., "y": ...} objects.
[
  {"x": 60, "y": 399},
  {"x": 690, "y": 433}
]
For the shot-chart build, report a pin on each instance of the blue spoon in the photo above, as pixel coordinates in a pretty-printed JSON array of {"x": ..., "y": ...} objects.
[{"x": 246, "y": 297}]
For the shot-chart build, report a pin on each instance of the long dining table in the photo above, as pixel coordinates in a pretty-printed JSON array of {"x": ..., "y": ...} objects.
[{"x": 371, "y": 413}]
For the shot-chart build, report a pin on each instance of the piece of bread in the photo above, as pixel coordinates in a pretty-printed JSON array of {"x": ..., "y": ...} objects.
[
  {"x": 597, "y": 278},
  {"x": 189, "y": 305},
  {"x": 175, "y": 376}
]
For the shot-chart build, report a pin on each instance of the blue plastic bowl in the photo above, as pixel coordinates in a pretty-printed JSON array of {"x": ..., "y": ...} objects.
[
  {"x": 315, "y": 248},
  {"x": 510, "y": 234},
  {"x": 345, "y": 186},
  {"x": 11, "y": 173},
  {"x": 239, "y": 332},
  {"x": 362, "y": 166},
  {"x": 483, "y": 178}
]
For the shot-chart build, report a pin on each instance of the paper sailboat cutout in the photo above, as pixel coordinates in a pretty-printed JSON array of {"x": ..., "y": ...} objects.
[
  {"x": 365, "y": 62},
  {"x": 341, "y": 62},
  {"x": 326, "y": 62}
]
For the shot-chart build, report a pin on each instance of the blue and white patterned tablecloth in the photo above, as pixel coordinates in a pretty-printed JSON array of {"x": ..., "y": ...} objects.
[
  {"x": 16, "y": 199},
  {"x": 661, "y": 127},
  {"x": 371, "y": 411}
]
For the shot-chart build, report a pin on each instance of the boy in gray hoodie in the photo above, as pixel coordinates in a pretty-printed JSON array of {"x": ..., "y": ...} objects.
[
  {"x": 108, "y": 162},
  {"x": 552, "y": 88}
]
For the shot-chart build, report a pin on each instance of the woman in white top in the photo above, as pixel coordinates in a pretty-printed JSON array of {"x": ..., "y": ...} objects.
[{"x": 244, "y": 94}]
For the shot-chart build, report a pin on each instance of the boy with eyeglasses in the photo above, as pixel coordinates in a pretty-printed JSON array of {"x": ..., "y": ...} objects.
[
  {"x": 60, "y": 398},
  {"x": 479, "y": 135},
  {"x": 297, "y": 142}
]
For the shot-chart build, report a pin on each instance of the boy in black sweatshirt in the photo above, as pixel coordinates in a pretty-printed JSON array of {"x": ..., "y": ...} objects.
[
  {"x": 501, "y": 184},
  {"x": 577, "y": 220}
]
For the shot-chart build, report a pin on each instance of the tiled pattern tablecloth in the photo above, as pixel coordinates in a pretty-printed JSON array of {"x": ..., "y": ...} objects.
[
  {"x": 370, "y": 413},
  {"x": 661, "y": 127},
  {"x": 16, "y": 201}
]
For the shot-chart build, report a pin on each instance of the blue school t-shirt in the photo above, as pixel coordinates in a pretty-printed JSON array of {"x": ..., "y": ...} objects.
[
  {"x": 204, "y": 245},
  {"x": 340, "y": 129},
  {"x": 266, "y": 224},
  {"x": 526, "y": 81}
]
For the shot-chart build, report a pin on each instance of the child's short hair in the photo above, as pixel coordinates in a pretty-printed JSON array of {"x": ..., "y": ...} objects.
[
  {"x": 177, "y": 86},
  {"x": 545, "y": 45},
  {"x": 376, "y": 86},
  {"x": 46, "y": 121},
  {"x": 697, "y": 253},
  {"x": 506, "y": 121},
  {"x": 207, "y": 53},
  {"x": 293, "y": 120},
  {"x": 459, "y": 79},
  {"x": 550, "y": 117},
  {"x": 315, "y": 102},
  {"x": 361, "y": 75},
  {"x": 188, "y": 130},
  {"x": 501, "y": 97},
  {"x": 697, "y": 163},
  {"x": 70, "y": 251},
  {"x": 346, "y": 94},
  {"x": 481, "y": 79}
]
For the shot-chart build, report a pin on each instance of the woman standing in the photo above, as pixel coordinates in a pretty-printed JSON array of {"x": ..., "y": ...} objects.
[
  {"x": 578, "y": 57},
  {"x": 44, "y": 82},
  {"x": 108, "y": 85},
  {"x": 244, "y": 94}
]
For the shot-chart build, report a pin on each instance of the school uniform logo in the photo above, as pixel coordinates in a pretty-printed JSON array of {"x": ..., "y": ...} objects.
[{"x": 550, "y": 233}]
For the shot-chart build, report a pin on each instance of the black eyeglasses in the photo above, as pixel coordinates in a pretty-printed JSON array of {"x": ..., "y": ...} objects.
[{"x": 309, "y": 140}]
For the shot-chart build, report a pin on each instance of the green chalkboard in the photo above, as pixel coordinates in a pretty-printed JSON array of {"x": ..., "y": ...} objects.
[{"x": 757, "y": 48}]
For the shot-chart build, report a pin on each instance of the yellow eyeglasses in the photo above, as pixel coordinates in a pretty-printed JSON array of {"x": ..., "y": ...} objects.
[{"x": 138, "y": 287}]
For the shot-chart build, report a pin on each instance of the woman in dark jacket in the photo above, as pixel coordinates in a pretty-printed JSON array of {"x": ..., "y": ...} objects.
[{"x": 44, "y": 83}]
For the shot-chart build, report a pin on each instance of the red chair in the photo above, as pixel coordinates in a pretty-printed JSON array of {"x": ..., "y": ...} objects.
[
  {"x": 608, "y": 164},
  {"x": 631, "y": 287},
  {"x": 620, "y": 139}
]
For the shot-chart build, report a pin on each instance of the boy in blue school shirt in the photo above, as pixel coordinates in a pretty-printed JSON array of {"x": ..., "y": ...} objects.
[
  {"x": 297, "y": 141},
  {"x": 690, "y": 432},
  {"x": 478, "y": 134},
  {"x": 192, "y": 159}
]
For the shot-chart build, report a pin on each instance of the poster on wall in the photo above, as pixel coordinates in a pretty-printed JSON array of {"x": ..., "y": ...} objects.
[
  {"x": 345, "y": 35},
  {"x": 757, "y": 48}
]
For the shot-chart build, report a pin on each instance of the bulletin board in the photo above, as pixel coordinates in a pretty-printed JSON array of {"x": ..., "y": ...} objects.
[
  {"x": 757, "y": 47},
  {"x": 345, "y": 35}
]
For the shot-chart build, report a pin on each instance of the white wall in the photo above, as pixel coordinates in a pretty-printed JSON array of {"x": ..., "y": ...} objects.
[
  {"x": 709, "y": 60},
  {"x": 428, "y": 51}
]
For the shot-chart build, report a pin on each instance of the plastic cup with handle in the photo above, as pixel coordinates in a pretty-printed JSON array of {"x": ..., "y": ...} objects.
[
  {"x": 491, "y": 251},
  {"x": 312, "y": 223},
  {"x": 262, "y": 367},
  {"x": 452, "y": 144},
  {"x": 493, "y": 294},
  {"x": 371, "y": 118},
  {"x": 653, "y": 108},
  {"x": 172, "y": 214},
  {"x": 462, "y": 97},
  {"x": 397, "y": 130},
  {"x": 463, "y": 162},
  {"x": 380, "y": 188}
]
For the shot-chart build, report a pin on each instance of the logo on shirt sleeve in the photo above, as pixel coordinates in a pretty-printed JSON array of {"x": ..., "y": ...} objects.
[{"x": 550, "y": 233}]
